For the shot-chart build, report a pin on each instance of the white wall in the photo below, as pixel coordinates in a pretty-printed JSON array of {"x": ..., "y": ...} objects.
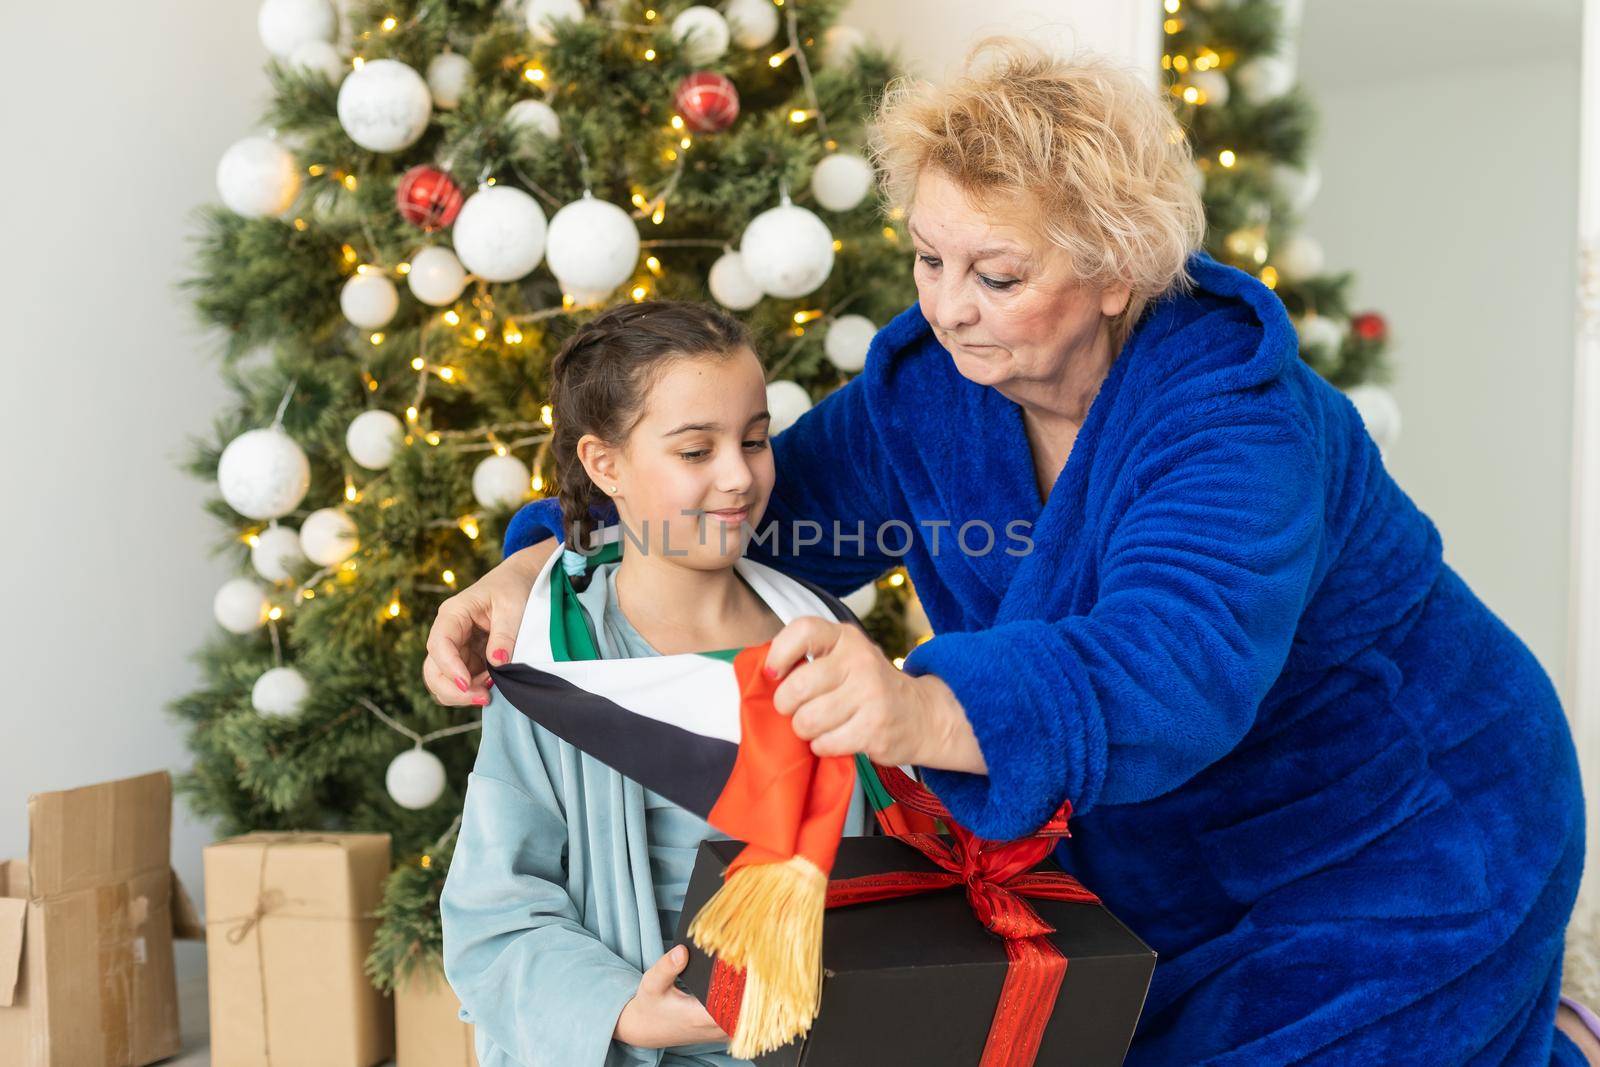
[
  {"x": 115, "y": 116},
  {"x": 1452, "y": 194},
  {"x": 935, "y": 34}
]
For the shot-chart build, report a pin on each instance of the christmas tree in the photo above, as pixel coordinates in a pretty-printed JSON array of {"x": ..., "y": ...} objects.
[
  {"x": 447, "y": 191},
  {"x": 1234, "y": 88}
]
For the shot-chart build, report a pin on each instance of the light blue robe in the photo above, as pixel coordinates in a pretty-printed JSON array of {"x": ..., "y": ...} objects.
[{"x": 566, "y": 884}]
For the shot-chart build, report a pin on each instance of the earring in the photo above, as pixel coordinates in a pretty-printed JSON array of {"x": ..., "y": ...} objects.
[{"x": 613, "y": 489}]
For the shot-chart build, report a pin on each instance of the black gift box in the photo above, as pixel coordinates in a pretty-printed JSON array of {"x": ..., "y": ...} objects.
[{"x": 916, "y": 979}]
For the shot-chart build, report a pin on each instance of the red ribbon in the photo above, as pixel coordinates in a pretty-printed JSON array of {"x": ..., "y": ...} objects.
[{"x": 997, "y": 876}]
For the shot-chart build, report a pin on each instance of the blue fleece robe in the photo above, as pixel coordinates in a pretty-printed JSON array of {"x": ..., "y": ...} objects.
[{"x": 1308, "y": 766}]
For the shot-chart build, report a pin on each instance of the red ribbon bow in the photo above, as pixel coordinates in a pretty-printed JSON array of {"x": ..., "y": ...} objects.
[{"x": 997, "y": 876}]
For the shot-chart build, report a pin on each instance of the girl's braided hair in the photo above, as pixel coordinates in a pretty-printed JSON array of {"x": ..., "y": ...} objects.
[{"x": 600, "y": 377}]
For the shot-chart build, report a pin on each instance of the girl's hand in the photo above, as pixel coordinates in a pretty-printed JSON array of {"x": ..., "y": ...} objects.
[
  {"x": 478, "y": 623},
  {"x": 847, "y": 698},
  {"x": 661, "y": 1015}
]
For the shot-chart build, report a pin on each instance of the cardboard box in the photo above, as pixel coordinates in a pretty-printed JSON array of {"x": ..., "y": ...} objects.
[
  {"x": 429, "y": 1031},
  {"x": 86, "y": 929},
  {"x": 917, "y": 979},
  {"x": 289, "y": 922}
]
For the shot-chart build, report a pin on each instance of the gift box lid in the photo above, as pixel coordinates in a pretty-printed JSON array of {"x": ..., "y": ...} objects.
[
  {"x": 889, "y": 934},
  {"x": 296, "y": 874}
]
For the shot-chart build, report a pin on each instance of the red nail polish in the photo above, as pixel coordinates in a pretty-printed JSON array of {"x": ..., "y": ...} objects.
[
  {"x": 500, "y": 655},
  {"x": 489, "y": 684},
  {"x": 770, "y": 673},
  {"x": 480, "y": 701},
  {"x": 461, "y": 684}
]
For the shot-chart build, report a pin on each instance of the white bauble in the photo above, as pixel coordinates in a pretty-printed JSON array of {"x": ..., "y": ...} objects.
[
  {"x": 849, "y": 337},
  {"x": 257, "y": 177},
  {"x": 1298, "y": 185},
  {"x": 276, "y": 552},
  {"x": 787, "y": 251},
  {"x": 1378, "y": 410},
  {"x": 373, "y": 438},
  {"x": 281, "y": 691},
  {"x": 863, "y": 600},
  {"x": 448, "y": 75},
  {"x": 499, "y": 234},
  {"x": 839, "y": 44},
  {"x": 1214, "y": 84},
  {"x": 917, "y": 622},
  {"x": 415, "y": 778},
  {"x": 240, "y": 606},
  {"x": 328, "y": 537},
  {"x": 501, "y": 482},
  {"x": 841, "y": 181},
  {"x": 754, "y": 22},
  {"x": 284, "y": 25},
  {"x": 786, "y": 402},
  {"x": 703, "y": 32},
  {"x": 731, "y": 285},
  {"x": 369, "y": 300},
  {"x": 1320, "y": 331},
  {"x": 263, "y": 474},
  {"x": 384, "y": 105},
  {"x": 536, "y": 115},
  {"x": 1298, "y": 258},
  {"x": 320, "y": 57},
  {"x": 542, "y": 15},
  {"x": 1264, "y": 79},
  {"x": 436, "y": 276},
  {"x": 592, "y": 246}
]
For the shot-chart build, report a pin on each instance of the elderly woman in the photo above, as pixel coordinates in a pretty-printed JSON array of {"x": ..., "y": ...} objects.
[{"x": 1172, "y": 586}]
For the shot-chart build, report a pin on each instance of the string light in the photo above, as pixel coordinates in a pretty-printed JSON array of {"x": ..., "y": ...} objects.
[
  {"x": 803, "y": 317},
  {"x": 677, "y": 122},
  {"x": 452, "y": 318},
  {"x": 1172, "y": 25},
  {"x": 649, "y": 55},
  {"x": 411, "y": 413},
  {"x": 350, "y": 493},
  {"x": 1269, "y": 277},
  {"x": 357, "y": 62},
  {"x": 418, "y": 363},
  {"x": 300, "y": 224},
  {"x": 350, "y": 182},
  {"x": 479, "y": 333},
  {"x": 469, "y": 526},
  {"x": 654, "y": 265},
  {"x": 394, "y": 607},
  {"x": 512, "y": 335},
  {"x": 390, "y": 22},
  {"x": 1191, "y": 95},
  {"x": 377, "y": 338},
  {"x": 447, "y": 374},
  {"x": 545, "y": 415},
  {"x": 638, "y": 293},
  {"x": 538, "y": 484},
  {"x": 404, "y": 268},
  {"x": 449, "y": 577},
  {"x": 315, "y": 170},
  {"x": 1226, "y": 157},
  {"x": 799, "y": 115},
  {"x": 533, "y": 73},
  {"x": 349, "y": 254},
  {"x": 1172, "y": 6}
]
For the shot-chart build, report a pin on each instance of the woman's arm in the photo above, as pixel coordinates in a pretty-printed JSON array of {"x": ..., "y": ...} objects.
[
  {"x": 1202, "y": 585},
  {"x": 830, "y": 470},
  {"x": 527, "y": 972}
]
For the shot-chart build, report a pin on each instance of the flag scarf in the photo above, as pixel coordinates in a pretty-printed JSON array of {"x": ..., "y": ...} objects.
[{"x": 701, "y": 730}]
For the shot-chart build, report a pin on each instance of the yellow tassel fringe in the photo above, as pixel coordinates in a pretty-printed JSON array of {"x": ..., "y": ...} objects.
[{"x": 767, "y": 920}]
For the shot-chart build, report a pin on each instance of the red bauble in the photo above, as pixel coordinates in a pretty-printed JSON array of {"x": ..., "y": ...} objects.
[
  {"x": 1370, "y": 326},
  {"x": 426, "y": 197},
  {"x": 708, "y": 102}
]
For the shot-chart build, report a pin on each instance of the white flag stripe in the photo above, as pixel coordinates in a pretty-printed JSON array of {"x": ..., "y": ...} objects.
[{"x": 695, "y": 693}]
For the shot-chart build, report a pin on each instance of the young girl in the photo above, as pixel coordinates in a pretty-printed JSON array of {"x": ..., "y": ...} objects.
[{"x": 568, "y": 878}]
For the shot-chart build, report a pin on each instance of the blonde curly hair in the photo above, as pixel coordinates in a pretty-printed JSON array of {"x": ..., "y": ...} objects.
[{"x": 1078, "y": 149}]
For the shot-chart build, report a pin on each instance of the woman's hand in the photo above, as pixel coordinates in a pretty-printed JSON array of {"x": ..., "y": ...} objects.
[
  {"x": 661, "y": 1015},
  {"x": 848, "y": 698},
  {"x": 478, "y": 623}
]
